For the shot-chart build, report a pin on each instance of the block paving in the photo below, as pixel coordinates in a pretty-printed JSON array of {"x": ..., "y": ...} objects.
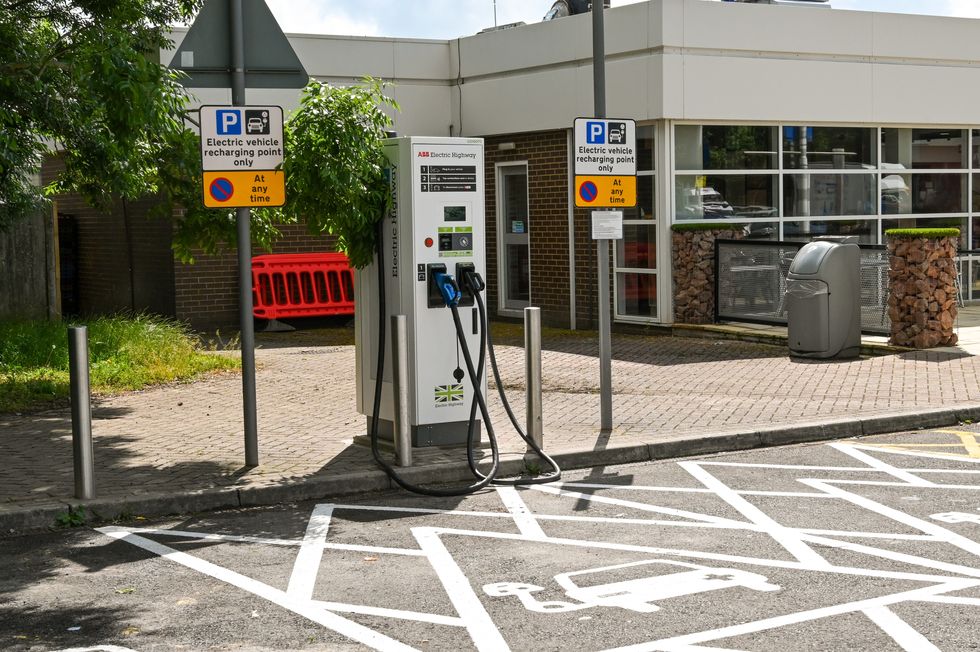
[{"x": 188, "y": 437}]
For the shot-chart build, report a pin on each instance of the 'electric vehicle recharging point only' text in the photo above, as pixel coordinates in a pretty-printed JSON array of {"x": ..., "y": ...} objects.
[{"x": 435, "y": 227}]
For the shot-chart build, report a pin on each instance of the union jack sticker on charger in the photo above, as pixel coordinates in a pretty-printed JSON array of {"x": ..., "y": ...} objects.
[{"x": 448, "y": 394}]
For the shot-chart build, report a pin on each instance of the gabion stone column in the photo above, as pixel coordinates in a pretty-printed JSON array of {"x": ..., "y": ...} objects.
[
  {"x": 922, "y": 292},
  {"x": 694, "y": 269}
]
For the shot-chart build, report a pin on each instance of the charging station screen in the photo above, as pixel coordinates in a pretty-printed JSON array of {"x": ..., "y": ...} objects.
[{"x": 454, "y": 213}]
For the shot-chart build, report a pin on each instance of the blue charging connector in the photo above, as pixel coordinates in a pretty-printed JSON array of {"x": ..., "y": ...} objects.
[{"x": 449, "y": 289}]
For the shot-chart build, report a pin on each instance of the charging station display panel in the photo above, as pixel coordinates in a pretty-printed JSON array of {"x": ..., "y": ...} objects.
[
  {"x": 448, "y": 210},
  {"x": 435, "y": 226}
]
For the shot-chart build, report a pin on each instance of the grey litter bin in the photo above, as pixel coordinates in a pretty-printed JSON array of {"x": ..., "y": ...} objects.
[{"x": 823, "y": 299}]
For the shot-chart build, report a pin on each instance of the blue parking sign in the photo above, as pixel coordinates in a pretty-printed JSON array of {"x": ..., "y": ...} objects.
[
  {"x": 229, "y": 122},
  {"x": 595, "y": 133}
]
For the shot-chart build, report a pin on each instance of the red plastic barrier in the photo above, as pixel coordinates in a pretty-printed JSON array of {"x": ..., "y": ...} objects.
[{"x": 301, "y": 285}]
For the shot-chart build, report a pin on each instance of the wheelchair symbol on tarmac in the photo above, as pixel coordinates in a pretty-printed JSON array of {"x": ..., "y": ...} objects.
[{"x": 633, "y": 594}]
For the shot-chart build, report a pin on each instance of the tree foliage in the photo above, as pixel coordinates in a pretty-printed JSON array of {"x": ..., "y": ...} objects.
[
  {"x": 83, "y": 75},
  {"x": 335, "y": 164}
]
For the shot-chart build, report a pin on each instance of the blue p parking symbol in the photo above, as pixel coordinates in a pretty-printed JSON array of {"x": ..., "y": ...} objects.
[
  {"x": 229, "y": 122},
  {"x": 595, "y": 133}
]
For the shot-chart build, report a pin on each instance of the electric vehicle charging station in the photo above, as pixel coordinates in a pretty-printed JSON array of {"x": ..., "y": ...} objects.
[{"x": 435, "y": 225}]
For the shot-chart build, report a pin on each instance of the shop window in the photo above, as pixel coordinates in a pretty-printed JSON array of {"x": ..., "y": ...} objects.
[
  {"x": 725, "y": 147},
  {"x": 824, "y": 195},
  {"x": 924, "y": 149},
  {"x": 904, "y": 193},
  {"x": 833, "y": 148},
  {"x": 722, "y": 197},
  {"x": 806, "y": 230}
]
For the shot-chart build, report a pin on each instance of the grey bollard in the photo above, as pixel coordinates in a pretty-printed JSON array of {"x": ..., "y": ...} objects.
[
  {"x": 402, "y": 434},
  {"x": 81, "y": 413},
  {"x": 532, "y": 374}
]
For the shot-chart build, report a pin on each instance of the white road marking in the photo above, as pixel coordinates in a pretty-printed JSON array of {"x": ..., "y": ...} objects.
[
  {"x": 643, "y": 507},
  {"x": 908, "y": 453},
  {"x": 787, "y": 538},
  {"x": 867, "y": 535},
  {"x": 875, "y": 463},
  {"x": 234, "y": 538},
  {"x": 952, "y": 599},
  {"x": 882, "y": 483},
  {"x": 304, "y": 608},
  {"x": 307, "y": 565},
  {"x": 695, "y": 554},
  {"x": 796, "y": 618},
  {"x": 791, "y": 467},
  {"x": 434, "y": 619},
  {"x": 480, "y": 626},
  {"x": 685, "y": 490},
  {"x": 919, "y": 524},
  {"x": 523, "y": 517},
  {"x": 907, "y": 637}
]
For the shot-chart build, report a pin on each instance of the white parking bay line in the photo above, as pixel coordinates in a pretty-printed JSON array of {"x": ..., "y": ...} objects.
[
  {"x": 304, "y": 608},
  {"x": 523, "y": 517},
  {"x": 900, "y": 631}
]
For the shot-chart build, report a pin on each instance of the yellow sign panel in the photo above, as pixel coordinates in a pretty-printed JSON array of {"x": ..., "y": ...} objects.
[
  {"x": 244, "y": 189},
  {"x": 605, "y": 192}
]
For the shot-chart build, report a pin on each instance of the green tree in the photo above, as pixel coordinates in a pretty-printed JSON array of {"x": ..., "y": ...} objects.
[
  {"x": 83, "y": 75},
  {"x": 335, "y": 176},
  {"x": 335, "y": 164}
]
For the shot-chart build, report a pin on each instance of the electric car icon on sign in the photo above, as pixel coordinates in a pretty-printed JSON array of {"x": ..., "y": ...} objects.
[{"x": 635, "y": 594}]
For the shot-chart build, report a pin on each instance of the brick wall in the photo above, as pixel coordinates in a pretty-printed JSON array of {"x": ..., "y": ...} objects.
[
  {"x": 546, "y": 154},
  {"x": 124, "y": 260},
  {"x": 547, "y": 165},
  {"x": 207, "y": 291}
]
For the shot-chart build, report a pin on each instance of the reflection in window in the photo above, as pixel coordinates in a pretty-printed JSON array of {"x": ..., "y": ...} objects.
[
  {"x": 923, "y": 193},
  {"x": 644, "y": 200},
  {"x": 823, "y": 195},
  {"x": 924, "y": 149},
  {"x": 717, "y": 197},
  {"x": 806, "y": 230},
  {"x": 636, "y": 294},
  {"x": 725, "y": 147},
  {"x": 638, "y": 248},
  {"x": 823, "y": 148}
]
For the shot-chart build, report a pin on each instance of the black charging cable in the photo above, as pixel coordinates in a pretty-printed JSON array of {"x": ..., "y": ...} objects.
[
  {"x": 451, "y": 294},
  {"x": 483, "y": 480},
  {"x": 475, "y": 284}
]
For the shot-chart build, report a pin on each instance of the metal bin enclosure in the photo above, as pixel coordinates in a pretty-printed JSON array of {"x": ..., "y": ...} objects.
[{"x": 823, "y": 300}]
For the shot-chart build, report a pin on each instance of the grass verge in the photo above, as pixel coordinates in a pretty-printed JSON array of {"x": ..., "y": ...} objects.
[{"x": 125, "y": 353}]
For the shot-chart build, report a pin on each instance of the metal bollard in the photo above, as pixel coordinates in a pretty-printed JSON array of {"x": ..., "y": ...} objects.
[
  {"x": 532, "y": 374},
  {"x": 402, "y": 434},
  {"x": 81, "y": 412}
]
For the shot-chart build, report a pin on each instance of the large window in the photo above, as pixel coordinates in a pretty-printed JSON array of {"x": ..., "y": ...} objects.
[
  {"x": 636, "y": 253},
  {"x": 799, "y": 181}
]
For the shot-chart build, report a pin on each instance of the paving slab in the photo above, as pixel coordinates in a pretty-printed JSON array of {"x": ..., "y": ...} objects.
[{"x": 180, "y": 447}]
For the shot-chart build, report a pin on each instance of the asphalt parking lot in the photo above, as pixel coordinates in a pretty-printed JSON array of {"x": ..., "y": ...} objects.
[{"x": 870, "y": 544}]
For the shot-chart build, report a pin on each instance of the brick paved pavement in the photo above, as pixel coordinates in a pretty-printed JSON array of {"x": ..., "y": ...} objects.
[{"x": 188, "y": 437}]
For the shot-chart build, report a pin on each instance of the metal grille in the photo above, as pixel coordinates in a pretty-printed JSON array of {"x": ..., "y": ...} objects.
[{"x": 750, "y": 283}]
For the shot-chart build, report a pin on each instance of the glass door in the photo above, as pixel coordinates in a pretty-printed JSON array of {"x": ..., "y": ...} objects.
[{"x": 513, "y": 227}]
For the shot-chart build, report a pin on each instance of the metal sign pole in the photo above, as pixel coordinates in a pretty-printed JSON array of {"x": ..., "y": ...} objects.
[
  {"x": 243, "y": 217},
  {"x": 605, "y": 336}
]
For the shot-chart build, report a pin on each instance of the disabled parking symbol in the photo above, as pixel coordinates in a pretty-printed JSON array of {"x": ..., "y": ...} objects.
[
  {"x": 221, "y": 189},
  {"x": 588, "y": 191}
]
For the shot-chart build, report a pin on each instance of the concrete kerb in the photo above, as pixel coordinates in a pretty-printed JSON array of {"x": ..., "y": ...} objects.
[{"x": 43, "y": 516}]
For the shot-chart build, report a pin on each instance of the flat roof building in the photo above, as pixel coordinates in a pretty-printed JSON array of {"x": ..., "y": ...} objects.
[{"x": 791, "y": 121}]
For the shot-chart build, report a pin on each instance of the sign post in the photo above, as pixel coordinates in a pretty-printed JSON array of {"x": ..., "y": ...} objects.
[
  {"x": 213, "y": 54},
  {"x": 605, "y": 177}
]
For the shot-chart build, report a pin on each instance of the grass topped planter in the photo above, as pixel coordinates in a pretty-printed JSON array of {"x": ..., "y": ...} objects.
[{"x": 930, "y": 234}]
